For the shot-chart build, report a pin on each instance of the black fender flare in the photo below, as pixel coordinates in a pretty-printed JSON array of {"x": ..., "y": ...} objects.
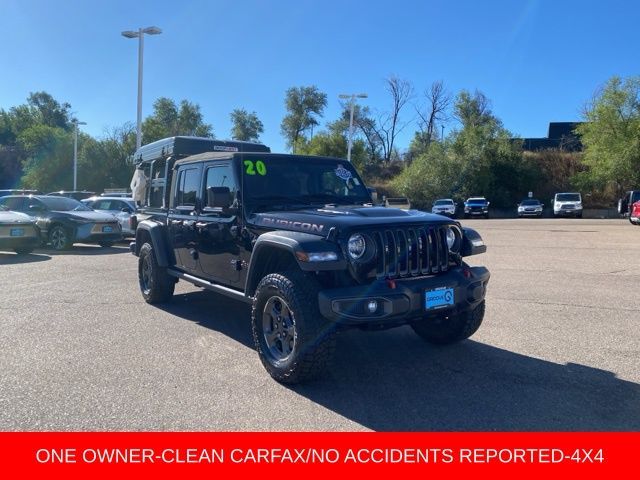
[
  {"x": 298, "y": 245},
  {"x": 157, "y": 233},
  {"x": 472, "y": 243}
]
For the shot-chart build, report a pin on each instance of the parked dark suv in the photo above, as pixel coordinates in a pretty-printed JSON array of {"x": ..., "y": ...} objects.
[{"x": 298, "y": 238}]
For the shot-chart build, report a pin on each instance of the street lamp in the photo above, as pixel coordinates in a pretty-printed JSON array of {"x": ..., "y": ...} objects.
[
  {"x": 352, "y": 98},
  {"x": 75, "y": 152},
  {"x": 140, "y": 36}
]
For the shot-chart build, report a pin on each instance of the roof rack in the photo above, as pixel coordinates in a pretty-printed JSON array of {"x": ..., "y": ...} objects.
[{"x": 185, "y": 146}]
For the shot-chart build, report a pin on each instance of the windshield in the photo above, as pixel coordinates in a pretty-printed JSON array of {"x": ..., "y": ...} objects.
[
  {"x": 530, "y": 203},
  {"x": 476, "y": 201},
  {"x": 64, "y": 204},
  {"x": 443, "y": 202},
  {"x": 275, "y": 179},
  {"x": 567, "y": 197}
]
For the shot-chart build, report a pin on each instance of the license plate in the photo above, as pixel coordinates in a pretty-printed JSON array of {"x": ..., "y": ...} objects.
[
  {"x": 440, "y": 298},
  {"x": 107, "y": 229},
  {"x": 17, "y": 232}
]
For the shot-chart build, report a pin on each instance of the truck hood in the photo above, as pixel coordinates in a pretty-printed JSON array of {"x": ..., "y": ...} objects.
[{"x": 320, "y": 220}]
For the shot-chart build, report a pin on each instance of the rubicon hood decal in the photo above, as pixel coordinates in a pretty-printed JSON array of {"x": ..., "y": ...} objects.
[
  {"x": 291, "y": 225},
  {"x": 320, "y": 220}
]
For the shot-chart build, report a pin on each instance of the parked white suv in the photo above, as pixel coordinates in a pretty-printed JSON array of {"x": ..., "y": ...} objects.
[
  {"x": 444, "y": 206},
  {"x": 567, "y": 205}
]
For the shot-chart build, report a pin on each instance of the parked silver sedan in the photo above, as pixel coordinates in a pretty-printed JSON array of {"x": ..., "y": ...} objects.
[
  {"x": 123, "y": 208},
  {"x": 18, "y": 231}
]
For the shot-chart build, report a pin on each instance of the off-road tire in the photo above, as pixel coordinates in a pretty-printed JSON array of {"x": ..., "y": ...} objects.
[
  {"x": 60, "y": 238},
  {"x": 156, "y": 285},
  {"x": 314, "y": 343},
  {"x": 23, "y": 251},
  {"x": 448, "y": 330}
]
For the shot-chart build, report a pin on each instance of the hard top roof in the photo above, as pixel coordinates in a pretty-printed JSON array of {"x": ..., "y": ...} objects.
[{"x": 184, "y": 146}]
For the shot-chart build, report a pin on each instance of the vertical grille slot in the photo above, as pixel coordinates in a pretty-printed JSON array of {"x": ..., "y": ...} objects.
[
  {"x": 414, "y": 252},
  {"x": 392, "y": 253},
  {"x": 403, "y": 253},
  {"x": 411, "y": 252}
]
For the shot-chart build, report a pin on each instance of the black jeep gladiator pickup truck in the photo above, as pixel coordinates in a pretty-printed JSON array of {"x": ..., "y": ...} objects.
[{"x": 298, "y": 238}]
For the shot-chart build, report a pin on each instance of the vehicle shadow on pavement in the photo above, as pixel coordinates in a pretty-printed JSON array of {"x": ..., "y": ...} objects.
[
  {"x": 15, "y": 259},
  {"x": 86, "y": 250},
  {"x": 216, "y": 312},
  {"x": 393, "y": 381}
]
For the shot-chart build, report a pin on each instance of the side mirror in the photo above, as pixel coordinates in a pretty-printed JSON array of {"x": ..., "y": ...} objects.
[
  {"x": 218, "y": 197},
  {"x": 542, "y": 205},
  {"x": 126, "y": 210}
]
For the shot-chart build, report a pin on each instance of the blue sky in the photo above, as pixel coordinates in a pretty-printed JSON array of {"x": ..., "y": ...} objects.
[{"x": 538, "y": 61}]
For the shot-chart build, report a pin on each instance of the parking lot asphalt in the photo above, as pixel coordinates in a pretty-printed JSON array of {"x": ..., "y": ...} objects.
[{"x": 559, "y": 348}]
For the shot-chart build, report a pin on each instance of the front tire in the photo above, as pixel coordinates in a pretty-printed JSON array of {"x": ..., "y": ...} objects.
[
  {"x": 60, "y": 238},
  {"x": 294, "y": 341},
  {"x": 156, "y": 284},
  {"x": 447, "y": 330}
]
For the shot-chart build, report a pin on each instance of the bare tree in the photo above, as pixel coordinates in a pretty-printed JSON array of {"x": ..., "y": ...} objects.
[
  {"x": 389, "y": 125},
  {"x": 437, "y": 102}
]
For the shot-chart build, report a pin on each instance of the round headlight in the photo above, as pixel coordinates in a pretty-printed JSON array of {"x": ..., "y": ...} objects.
[
  {"x": 454, "y": 239},
  {"x": 451, "y": 238},
  {"x": 356, "y": 246}
]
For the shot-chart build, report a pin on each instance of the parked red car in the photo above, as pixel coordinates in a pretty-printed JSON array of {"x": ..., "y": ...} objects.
[{"x": 634, "y": 216}]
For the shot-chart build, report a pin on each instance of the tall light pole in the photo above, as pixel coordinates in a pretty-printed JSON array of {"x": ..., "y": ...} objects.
[
  {"x": 352, "y": 98},
  {"x": 75, "y": 152},
  {"x": 140, "y": 36}
]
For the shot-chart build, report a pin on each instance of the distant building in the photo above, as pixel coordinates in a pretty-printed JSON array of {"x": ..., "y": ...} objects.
[{"x": 561, "y": 136}]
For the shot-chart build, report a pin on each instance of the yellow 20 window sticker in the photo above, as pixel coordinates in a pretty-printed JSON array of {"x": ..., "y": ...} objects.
[{"x": 251, "y": 168}]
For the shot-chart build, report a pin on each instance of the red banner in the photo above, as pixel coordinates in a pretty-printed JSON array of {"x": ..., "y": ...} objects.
[{"x": 318, "y": 455}]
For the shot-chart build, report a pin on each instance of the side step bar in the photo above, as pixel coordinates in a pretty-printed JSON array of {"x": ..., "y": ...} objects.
[{"x": 229, "y": 292}]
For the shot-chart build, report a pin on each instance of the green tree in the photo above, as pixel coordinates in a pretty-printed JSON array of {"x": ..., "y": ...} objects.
[
  {"x": 49, "y": 158},
  {"x": 169, "y": 120},
  {"x": 333, "y": 143},
  {"x": 304, "y": 106},
  {"x": 245, "y": 126},
  {"x": 611, "y": 136},
  {"x": 481, "y": 158},
  {"x": 104, "y": 163}
]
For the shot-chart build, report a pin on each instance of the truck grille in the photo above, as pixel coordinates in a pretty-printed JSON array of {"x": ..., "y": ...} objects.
[{"x": 411, "y": 252}]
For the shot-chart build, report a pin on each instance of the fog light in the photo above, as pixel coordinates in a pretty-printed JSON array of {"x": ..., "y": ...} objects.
[{"x": 372, "y": 306}]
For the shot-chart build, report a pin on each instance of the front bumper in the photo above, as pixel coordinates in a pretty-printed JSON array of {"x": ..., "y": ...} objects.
[
  {"x": 406, "y": 302},
  {"x": 447, "y": 213},
  {"x": 568, "y": 212},
  {"x": 11, "y": 243},
  {"x": 91, "y": 233},
  {"x": 530, "y": 214},
  {"x": 476, "y": 212}
]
